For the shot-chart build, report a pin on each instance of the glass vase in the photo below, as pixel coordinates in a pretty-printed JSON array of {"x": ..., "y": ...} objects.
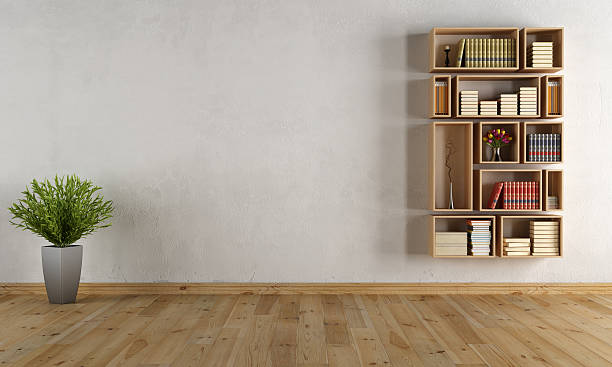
[{"x": 496, "y": 155}]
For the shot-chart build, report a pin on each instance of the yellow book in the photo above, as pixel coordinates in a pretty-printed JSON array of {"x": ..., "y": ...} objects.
[
  {"x": 470, "y": 52},
  {"x": 480, "y": 52},
  {"x": 460, "y": 47},
  {"x": 487, "y": 57},
  {"x": 513, "y": 53},
  {"x": 496, "y": 56}
]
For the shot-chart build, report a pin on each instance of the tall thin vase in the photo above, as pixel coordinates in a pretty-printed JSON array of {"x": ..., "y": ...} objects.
[{"x": 451, "y": 204}]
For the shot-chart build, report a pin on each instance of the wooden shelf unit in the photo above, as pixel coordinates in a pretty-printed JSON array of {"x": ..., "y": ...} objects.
[
  {"x": 510, "y": 153},
  {"x": 457, "y": 223},
  {"x": 553, "y": 186},
  {"x": 485, "y": 179},
  {"x": 490, "y": 87},
  {"x": 518, "y": 226},
  {"x": 547, "y": 99},
  {"x": 531, "y": 34},
  {"x": 433, "y": 97},
  {"x": 540, "y": 127},
  {"x": 460, "y": 134},
  {"x": 440, "y": 37}
]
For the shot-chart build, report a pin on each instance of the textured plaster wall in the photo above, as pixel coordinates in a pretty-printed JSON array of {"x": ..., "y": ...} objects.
[{"x": 272, "y": 140}]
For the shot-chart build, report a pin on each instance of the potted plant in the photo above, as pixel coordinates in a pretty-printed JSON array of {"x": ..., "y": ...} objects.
[
  {"x": 62, "y": 212},
  {"x": 496, "y": 139}
]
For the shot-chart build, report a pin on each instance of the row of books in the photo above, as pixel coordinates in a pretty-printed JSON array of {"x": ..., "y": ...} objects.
[
  {"x": 515, "y": 195},
  {"x": 479, "y": 237},
  {"x": 544, "y": 147},
  {"x": 540, "y": 55},
  {"x": 554, "y": 97},
  {"x": 486, "y": 53},
  {"x": 441, "y": 97},
  {"x": 544, "y": 238},
  {"x": 552, "y": 202},
  {"x": 525, "y": 102}
]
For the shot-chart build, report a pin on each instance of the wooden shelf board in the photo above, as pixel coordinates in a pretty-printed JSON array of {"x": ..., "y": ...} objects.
[
  {"x": 464, "y": 257},
  {"x": 456, "y": 70},
  {"x": 541, "y": 70},
  {"x": 497, "y": 117}
]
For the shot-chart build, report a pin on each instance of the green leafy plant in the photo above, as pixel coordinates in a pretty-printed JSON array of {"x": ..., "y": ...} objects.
[{"x": 62, "y": 211}]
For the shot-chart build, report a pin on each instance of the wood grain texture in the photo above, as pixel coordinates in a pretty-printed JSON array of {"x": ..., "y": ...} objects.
[
  {"x": 308, "y": 330},
  {"x": 13, "y": 289}
]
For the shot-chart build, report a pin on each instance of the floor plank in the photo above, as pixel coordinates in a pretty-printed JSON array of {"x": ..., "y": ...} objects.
[{"x": 308, "y": 330}]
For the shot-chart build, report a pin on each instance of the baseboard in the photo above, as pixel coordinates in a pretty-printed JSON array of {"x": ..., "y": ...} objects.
[{"x": 320, "y": 288}]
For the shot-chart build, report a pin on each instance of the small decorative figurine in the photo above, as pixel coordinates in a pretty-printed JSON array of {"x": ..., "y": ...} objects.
[{"x": 447, "y": 50}]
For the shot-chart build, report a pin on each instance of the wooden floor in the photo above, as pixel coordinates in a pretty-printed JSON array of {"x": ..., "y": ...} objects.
[{"x": 307, "y": 330}]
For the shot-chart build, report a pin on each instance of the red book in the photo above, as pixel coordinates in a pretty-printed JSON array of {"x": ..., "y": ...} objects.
[
  {"x": 529, "y": 195},
  {"x": 532, "y": 194},
  {"x": 537, "y": 195},
  {"x": 505, "y": 203},
  {"x": 495, "y": 195},
  {"x": 511, "y": 191},
  {"x": 523, "y": 196},
  {"x": 519, "y": 201}
]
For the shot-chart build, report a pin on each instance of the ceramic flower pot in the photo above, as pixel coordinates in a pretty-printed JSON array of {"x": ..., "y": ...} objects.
[{"x": 62, "y": 271}]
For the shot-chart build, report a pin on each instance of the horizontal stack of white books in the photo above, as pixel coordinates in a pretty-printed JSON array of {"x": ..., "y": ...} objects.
[
  {"x": 517, "y": 246},
  {"x": 468, "y": 102},
  {"x": 544, "y": 238},
  {"x": 451, "y": 243},
  {"x": 508, "y": 104},
  {"x": 552, "y": 202},
  {"x": 540, "y": 55},
  {"x": 488, "y": 108},
  {"x": 528, "y": 101}
]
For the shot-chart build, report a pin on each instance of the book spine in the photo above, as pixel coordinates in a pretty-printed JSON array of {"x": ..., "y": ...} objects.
[
  {"x": 480, "y": 52},
  {"x": 558, "y": 147},
  {"x": 523, "y": 196},
  {"x": 537, "y": 192},
  {"x": 505, "y": 202},
  {"x": 512, "y": 195},
  {"x": 529, "y": 195},
  {"x": 548, "y": 147},
  {"x": 539, "y": 148},
  {"x": 468, "y": 52},
  {"x": 519, "y": 198}
]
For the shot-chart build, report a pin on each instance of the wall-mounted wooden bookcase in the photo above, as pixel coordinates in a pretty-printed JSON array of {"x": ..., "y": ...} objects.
[
  {"x": 517, "y": 226},
  {"x": 457, "y": 223},
  {"x": 552, "y": 96},
  {"x": 440, "y": 97},
  {"x": 540, "y": 127},
  {"x": 440, "y": 37},
  {"x": 458, "y": 133},
  {"x": 490, "y": 87},
  {"x": 530, "y": 35},
  {"x": 472, "y": 187},
  {"x": 510, "y": 153},
  {"x": 485, "y": 180},
  {"x": 553, "y": 187}
]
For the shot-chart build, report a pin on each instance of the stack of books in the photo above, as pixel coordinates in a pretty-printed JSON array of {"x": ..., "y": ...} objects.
[
  {"x": 544, "y": 238},
  {"x": 441, "y": 91},
  {"x": 517, "y": 247},
  {"x": 488, "y": 108},
  {"x": 552, "y": 202},
  {"x": 469, "y": 102},
  {"x": 479, "y": 237},
  {"x": 528, "y": 101},
  {"x": 508, "y": 104},
  {"x": 451, "y": 243},
  {"x": 540, "y": 55},
  {"x": 486, "y": 53},
  {"x": 544, "y": 147},
  {"x": 554, "y": 98}
]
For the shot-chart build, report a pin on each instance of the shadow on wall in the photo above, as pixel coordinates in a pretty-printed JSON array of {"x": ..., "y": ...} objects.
[{"x": 403, "y": 144}]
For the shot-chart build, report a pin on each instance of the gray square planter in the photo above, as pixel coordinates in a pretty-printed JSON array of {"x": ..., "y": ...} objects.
[{"x": 62, "y": 271}]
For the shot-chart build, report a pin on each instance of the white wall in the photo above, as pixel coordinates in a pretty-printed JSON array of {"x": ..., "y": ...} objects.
[{"x": 272, "y": 140}]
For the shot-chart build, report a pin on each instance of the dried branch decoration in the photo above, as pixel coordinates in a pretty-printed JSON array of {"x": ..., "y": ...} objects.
[{"x": 450, "y": 151}]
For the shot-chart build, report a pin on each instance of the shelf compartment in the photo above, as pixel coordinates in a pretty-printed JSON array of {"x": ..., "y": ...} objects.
[
  {"x": 553, "y": 187},
  {"x": 440, "y": 37},
  {"x": 518, "y": 226},
  {"x": 490, "y": 87},
  {"x": 440, "y": 96},
  {"x": 529, "y": 35},
  {"x": 457, "y": 223},
  {"x": 459, "y": 133},
  {"x": 510, "y": 153},
  {"x": 552, "y": 96},
  {"x": 540, "y": 127},
  {"x": 485, "y": 180}
]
